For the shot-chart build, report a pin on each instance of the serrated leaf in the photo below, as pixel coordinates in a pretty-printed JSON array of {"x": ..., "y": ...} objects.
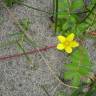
[{"x": 80, "y": 66}]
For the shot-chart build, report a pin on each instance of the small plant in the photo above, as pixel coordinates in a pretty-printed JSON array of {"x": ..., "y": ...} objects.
[
  {"x": 25, "y": 23},
  {"x": 75, "y": 16},
  {"x": 79, "y": 68}
]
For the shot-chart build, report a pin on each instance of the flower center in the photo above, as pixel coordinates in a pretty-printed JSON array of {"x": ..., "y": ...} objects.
[{"x": 66, "y": 43}]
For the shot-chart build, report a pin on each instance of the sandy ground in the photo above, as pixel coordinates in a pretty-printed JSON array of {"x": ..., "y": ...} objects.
[{"x": 17, "y": 77}]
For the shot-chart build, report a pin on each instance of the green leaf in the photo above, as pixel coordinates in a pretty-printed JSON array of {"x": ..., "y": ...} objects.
[
  {"x": 84, "y": 71},
  {"x": 65, "y": 26},
  {"x": 69, "y": 24},
  {"x": 62, "y": 5},
  {"x": 76, "y": 79},
  {"x": 62, "y": 15},
  {"x": 71, "y": 66},
  {"x": 77, "y": 4},
  {"x": 80, "y": 29},
  {"x": 69, "y": 75},
  {"x": 72, "y": 19},
  {"x": 80, "y": 66}
]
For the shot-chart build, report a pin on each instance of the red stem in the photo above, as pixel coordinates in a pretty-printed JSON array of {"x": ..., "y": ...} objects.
[
  {"x": 92, "y": 33},
  {"x": 26, "y": 53}
]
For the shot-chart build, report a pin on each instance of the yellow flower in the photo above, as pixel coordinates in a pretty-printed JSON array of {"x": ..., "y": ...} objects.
[{"x": 67, "y": 43}]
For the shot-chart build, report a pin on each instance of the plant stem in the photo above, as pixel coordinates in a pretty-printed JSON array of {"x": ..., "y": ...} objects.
[
  {"x": 44, "y": 90},
  {"x": 56, "y": 16},
  {"x": 26, "y": 53},
  {"x": 22, "y": 48}
]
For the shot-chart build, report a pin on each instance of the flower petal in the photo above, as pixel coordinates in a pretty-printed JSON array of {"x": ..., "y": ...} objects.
[
  {"x": 74, "y": 44},
  {"x": 68, "y": 49},
  {"x": 60, "y": 46},
  {"x": 61, "y": 38},
  {"x": 70, "y": 37}
]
